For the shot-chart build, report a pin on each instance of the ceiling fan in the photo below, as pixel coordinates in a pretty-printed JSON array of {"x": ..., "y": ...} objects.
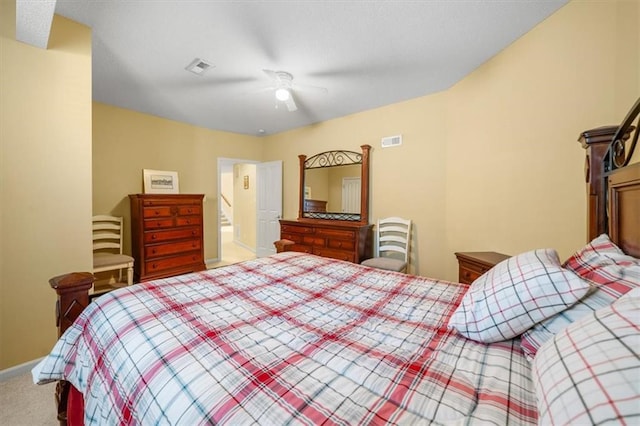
[{"x": 284, "y": 87}]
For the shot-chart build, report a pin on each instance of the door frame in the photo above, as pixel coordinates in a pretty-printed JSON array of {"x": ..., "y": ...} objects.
[{"x": 222, "y": 163}]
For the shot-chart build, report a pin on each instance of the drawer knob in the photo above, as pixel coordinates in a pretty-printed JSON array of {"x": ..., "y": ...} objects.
[
  {"x": 153, "y": 236},
  {"x": 154, "y": 266}
]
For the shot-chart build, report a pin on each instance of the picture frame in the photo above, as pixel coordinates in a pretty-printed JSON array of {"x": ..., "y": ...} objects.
[{"x": 160, "y": 182}]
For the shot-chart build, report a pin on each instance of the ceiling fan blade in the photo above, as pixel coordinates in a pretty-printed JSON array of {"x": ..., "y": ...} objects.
[
  {"x": 308, "y": 88},
  {"x": 259, "y": 90},
  {"x": 271, "y": 74},
  {"x": 291, "y": 104}
]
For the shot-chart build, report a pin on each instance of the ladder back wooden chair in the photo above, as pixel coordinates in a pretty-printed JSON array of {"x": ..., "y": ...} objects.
[
  {"x": 107, "y": 248},
  {"x": 393, "y": 236}
]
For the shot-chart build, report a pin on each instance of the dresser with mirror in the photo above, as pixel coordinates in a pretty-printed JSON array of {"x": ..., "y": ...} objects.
[{"x": 333, "y": 213}]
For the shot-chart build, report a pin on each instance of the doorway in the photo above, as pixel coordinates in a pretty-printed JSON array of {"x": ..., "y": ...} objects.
[
  {"x": 250, "y": 204},
  {"x": 237, "y": 211}
]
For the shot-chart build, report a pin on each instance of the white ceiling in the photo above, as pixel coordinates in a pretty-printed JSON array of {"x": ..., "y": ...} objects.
[{"x": 366, "y": 53}]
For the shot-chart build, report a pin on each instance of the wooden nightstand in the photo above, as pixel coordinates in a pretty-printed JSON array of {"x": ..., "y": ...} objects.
[{"x": 472, "y": 264}]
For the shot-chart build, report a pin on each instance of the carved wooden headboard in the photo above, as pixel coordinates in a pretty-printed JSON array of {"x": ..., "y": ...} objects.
[
  {"x": 624, "y": 208},
  {"x": 613, "y": 186}
]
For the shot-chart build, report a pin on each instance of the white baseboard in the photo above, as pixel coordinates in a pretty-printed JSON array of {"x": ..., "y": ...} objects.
[
  {"x": 244, "y": 246},
  {"x": 18, "y": 370},
  {"x": 209, "y": 262}
]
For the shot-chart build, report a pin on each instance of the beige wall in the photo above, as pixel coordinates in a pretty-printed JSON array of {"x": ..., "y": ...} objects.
[
  {"x": 244, "y": 214},
  {"x": 317, "y": 180},
  {"x": 514, "y": 166},
  {"x": 125, "y": 142},
  {"x": 45, "y": 179},
  {"x": 493, "y": 163}
]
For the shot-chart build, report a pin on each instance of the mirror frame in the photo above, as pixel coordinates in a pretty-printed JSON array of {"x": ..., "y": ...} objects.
[{"x": 333, "y": 159}]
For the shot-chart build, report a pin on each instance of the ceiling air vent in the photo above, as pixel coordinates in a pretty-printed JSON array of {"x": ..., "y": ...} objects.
[
  {"x": 198, "y": 66},
  {"x": 390, "y": 141}
]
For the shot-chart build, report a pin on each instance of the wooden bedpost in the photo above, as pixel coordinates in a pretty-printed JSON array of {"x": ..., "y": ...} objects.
[
  {"x": 596, "y": 142},
  {"x": 73, "y": 297}
]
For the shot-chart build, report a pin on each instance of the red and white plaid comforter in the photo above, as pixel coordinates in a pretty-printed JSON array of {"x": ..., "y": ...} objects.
[{"x": 287, "y": 339}]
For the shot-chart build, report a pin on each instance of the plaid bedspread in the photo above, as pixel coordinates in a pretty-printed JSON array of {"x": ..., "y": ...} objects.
[{"x": 287, "y": 339}]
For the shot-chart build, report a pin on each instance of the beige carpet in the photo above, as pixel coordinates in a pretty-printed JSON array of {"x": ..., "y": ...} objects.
[
  {"x": 231, "y": 251},
  {"x": 24, "y": 404}
]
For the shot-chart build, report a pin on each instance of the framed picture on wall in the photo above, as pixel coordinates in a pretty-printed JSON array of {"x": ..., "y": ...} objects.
[{"x": 160, "y": 182}]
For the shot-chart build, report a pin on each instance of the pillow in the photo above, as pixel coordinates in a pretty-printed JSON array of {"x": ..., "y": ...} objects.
[
  {"x": 588, "y": 373},
  {"x": 605, "y": 265},
  {"x": 516, "y": 294}
]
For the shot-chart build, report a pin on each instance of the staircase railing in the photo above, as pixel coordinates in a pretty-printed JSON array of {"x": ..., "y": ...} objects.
[
  {"x": 225, "y": 200},
  {"x": 225, "y": 218}
]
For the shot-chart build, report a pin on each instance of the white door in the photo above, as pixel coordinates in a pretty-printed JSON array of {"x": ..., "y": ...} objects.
[
  {"x": 351, "y": 195},
  {"x": 269, "y": 205}
]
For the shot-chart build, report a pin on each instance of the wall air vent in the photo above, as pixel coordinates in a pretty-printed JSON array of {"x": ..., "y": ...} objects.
[
  {"x": 199, "y": 66},
  {"x": 390, "y": 141}
]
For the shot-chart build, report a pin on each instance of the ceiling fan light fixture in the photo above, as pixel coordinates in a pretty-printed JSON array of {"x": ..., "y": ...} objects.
[{"x": 282, "y": 94}]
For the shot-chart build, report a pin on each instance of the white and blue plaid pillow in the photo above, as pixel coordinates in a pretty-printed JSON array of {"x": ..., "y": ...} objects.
[
  {"x": 589, "y": 372},
  {"x": 516, "y": 294}
]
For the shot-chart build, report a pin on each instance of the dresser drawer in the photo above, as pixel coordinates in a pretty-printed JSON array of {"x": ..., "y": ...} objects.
[
  {"x": 171, "y": 200},
  {"x": 475, "y": 268},
  {"x": 158, "y": 265},
  {"x": 334, "y": 254},
  {"x": 172, "y": 234},
  {"x": 296, "y": 229},
  {"x": 314, "y": 241},
  {"x": 159, "y": 211},
  {"x": 189, "y": 210},
  {"x": 158, "y": 223},
  {"x": 467, "y": 276},
  {"x": 341, "y": 244},
  {"x": 188, "y": 221},
  {"x": 471, "y": 265},
  {"x": 159, "y": 250},
  {"x": 296, "y": 238},
  {"x": 336, "y": 233}
]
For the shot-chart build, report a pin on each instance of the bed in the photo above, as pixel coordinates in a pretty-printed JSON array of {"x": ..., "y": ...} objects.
[{"x": 295, "y": 338}]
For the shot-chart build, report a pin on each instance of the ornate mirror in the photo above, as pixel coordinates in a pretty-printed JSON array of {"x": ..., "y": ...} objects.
[{"x": 334, "y": 185}]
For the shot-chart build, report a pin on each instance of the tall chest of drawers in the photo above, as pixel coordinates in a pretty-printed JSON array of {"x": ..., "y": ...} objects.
[
  {"x": 350, "y": 241},
  {"x": 166, "y": 234}
]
